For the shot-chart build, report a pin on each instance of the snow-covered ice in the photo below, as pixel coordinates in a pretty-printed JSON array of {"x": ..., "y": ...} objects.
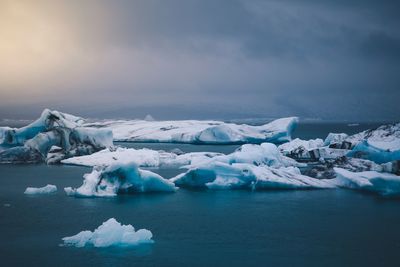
[
  {"x": 48, "y": 189},
  {"x": 376, "y": 151},
  {"x": 382, "y": 183},
  {"x": 263, "y": 154},
  {"x": 141, "y": 157},
  {"x": 199, "y": 132},
  {"x": 250, "y": 166},
  {"x": 335, "y": 140},
  {"x": 120, "y": 178},
  {"x": 247, "y": 176},
  {"x": 379, "y": 145},
  {"x": 301, "y": 149},
  {"x": 110, "y": 233},
  {"x": 53, "y": 129}
]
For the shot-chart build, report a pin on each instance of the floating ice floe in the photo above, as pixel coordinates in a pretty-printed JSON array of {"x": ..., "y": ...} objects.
[
  {"x": 220, "y": 175},
  {"x": 110, "y": 233},
  {"x": 382, "y": 183},
  {"x": 51, "y": 138},
  {"x": 48, "y": 189},
  {"x": 199, "y": 132},
  {"x": 141, "y": 157},
  {"x": 249, "y": 167},
  {"x": 265, "y": 153},
  {"x": 120, "y": 178}
]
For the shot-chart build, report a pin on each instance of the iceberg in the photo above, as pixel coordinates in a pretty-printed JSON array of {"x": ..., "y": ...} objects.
[
  {"x": 325, "y": 168},
  {"x": 141, "y": 157},
  {"x": 120, "y": 178},
  {"x": 247, "y": 176},
  {"x": 51, "y": 138},
  {"x": 110, "y": 233},
  {"x": 379, "y": 152},
  {"x": 265, "y": 153},
  {"x": 380, "y": 145},
  {"x": 385, "y": 184},
  {"x": 48, "y": 189},
  {"x": 198, "y": 132},
  {"x": 311, "y": 150}
]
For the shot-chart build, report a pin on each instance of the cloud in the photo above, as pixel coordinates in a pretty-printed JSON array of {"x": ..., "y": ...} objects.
[{"x": 202, "y": 58}]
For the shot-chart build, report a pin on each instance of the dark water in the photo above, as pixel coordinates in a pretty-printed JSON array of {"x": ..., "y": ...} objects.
[{"x": 198, "y": 228}]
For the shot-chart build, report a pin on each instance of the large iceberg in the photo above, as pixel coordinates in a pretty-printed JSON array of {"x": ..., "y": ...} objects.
[
  {"x": 220, "y": 175},
  {"x": 110, "y": 233},
  {"x": 199, "y": 132},
  {"x": 141, "y": 157},
  {"x": 382, "y": 183},
  {"x": 249, "y": 167},
  {"x": 379, "y": 145},
  {"x": 51, "y": 138},
  {"x": 120, "y": 178},
  {"x": 265, "y": 153},
  {"x": 48, "y": 189}
]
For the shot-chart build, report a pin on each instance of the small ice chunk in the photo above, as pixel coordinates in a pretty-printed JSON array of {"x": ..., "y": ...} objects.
[
  {"x": 48, "y": 189},
  {"x": 110, "y": 233}
]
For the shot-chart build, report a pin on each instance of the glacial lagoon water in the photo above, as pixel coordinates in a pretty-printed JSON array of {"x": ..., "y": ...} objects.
[{"x": 198, "y": 228}]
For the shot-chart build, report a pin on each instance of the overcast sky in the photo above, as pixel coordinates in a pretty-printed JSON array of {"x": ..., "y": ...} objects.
[{"x": 179, "y": 59}]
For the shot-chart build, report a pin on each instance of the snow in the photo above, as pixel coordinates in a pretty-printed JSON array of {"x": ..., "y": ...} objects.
[
  {"x": 335, "y": 139},
  {"x": 247, "y": 176},
  {"x": 119, "y": 178},
  {"x": 301, "y": 149},
  {"x": 311, "y": 144},
  {"x": 379, "y": 145},
  {"x": 382, "y": 183},
  {"x": 198, "y": 132},
  {"x": 263, "y": 154},
  {"x": 110, "y": 233},
  {"x": 311, "y": 150},
  {"x": 33, "y": 142},
  {"x": 141, "y": 157},
  {"x": 48, "y": 189}
]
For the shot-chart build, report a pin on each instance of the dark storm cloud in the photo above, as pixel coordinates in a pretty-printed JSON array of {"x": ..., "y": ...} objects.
[{"x": 320, "y": 59}]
